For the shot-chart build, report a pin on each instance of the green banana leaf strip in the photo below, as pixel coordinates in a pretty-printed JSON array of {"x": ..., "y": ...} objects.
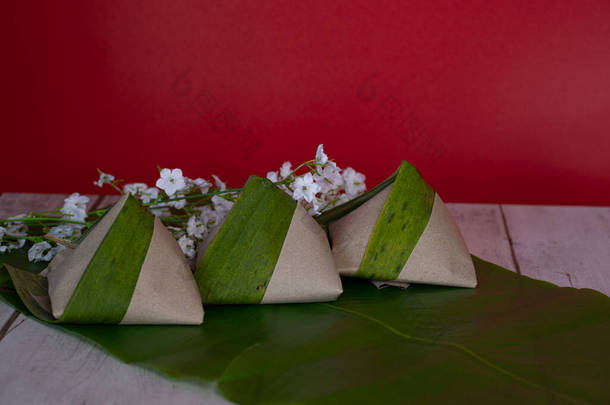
[
  {"x": 402, "y": 220},
  {"x": 238, "y": 264},
  {"x": 341, "y": 210},
  {"x": 511, "y": 340},
  {"x": 113, "y": 270}
]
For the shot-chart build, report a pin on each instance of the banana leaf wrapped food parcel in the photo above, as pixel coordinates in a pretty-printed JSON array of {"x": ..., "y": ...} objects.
[
  {"x": 403, "y": 233},
  {"x": 127, "y": 270},
  {"x": 268, "y": 250}
]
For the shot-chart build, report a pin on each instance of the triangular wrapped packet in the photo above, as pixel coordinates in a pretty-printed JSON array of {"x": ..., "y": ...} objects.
[
  {"x": 127, "y": 270},
  {"x": 268, "y": 250},
  {"x": 404, "y": 233}
]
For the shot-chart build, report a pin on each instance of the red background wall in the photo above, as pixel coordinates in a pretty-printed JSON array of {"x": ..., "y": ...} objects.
[{"x": 493, "y": 102}]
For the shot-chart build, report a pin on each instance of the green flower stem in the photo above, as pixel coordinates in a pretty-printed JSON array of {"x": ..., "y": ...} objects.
[
  {"x": 58, "y": 212},
  {"x": 30, "y": 238},
  {"x": 176, "y": 217},
  {"x": 98, "y": 213},
  {"x": 45, "y": 219},
  {"x": 190, "y": 197},
  {"x": 114, "y": 186},
  {"x": 287, "y": 179}
]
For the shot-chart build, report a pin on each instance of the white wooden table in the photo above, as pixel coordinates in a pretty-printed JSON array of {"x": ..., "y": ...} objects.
[{"x": 568, "y": 246}]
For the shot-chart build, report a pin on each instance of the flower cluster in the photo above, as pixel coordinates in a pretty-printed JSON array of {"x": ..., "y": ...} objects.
[
  {"x": 323, "y": 187},
  {"x": 68, "y": 223},
  {"x": 11, "y": 234},
  {"x": 190, "y": 208}
]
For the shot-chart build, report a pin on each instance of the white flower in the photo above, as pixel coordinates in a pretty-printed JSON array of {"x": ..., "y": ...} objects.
[
  {"x": 16, "y": 228},
  {"x": 321, "y": 157},
  {"x": 315, "y": 207},
  {"x": 219, "y": 183},
  {"x": 195, "y": 228},
  {"x": 209, "y": 216},
  {"x": 8, "y": 245},
  {"x": 329, "y": 178},
  {"x": 149, "y": 194},
  {"x": 75, "y": 207},
  {"x": 221, "y": 206},
  {"x": 104, "y": 178},
  {"x": 77, "y": 200},
  {"x": 354, "y": 182},
  {"x": 187, "y": 245},
  {"x": 40, "y": 251},
  {"x": 67, "y": 231},
  {"x": 286, "y": 169},
  {"x": 343, "y": 198},
  {"x": 272, "y": 176},
  {"x": 305, "y": 187},
  {"x": 203, "y": 184},
  {"x": 135, "y": 188},
  {"x": 171, "y": 181}
]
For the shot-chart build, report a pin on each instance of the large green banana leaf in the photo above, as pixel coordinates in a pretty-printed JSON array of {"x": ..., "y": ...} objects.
[{"x": 510, "y": 340}]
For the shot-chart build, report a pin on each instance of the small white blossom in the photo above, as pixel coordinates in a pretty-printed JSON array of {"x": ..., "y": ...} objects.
[
  {"x": 354, "y": 182},
  {"x": 321, "y": 157},
  {"x": 195, "y": 228},
  {"x": 219, "y": 183},
  {"x": 77, "y": 200},
  {"x": 286, "y": 169},
  {"x": 221, "y": 206},
  {"x": 104, "y": 178},
  {"x": 305, "y": 188},
  {"x": 316, "y": 205},
  {"x": 343, "y": 198},
  {"x": 203, "y": 184},
  {"x": 67, "y": 231},
  {"x": 273, "y": 176},
  {"x": 188, "y": 246},
  {"x": 149, "y": 194},
  {"x": 40, "y": 251},
  {"x": 75, "y": 207},
  {"x": 209, "y": 216},
  {"x": 171, "y": 181},
  {"x": 8, "y": 245},
  {"x": 134, "y": 188},
  {"x": 329, "y": 178},
  {"x": 16, "y": 228}
]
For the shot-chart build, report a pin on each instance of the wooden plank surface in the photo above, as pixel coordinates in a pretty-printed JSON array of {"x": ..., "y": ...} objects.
[
  {"x": 43, "y": 365},
  {"x": 568, "y": 246},
  {"x": 483, "y": 230}
]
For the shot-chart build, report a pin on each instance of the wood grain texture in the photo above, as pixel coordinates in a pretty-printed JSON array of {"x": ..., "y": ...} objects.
[
  {"x": 484, "y": 232},
  {"x": 42, "y": 365},
  {"x": 568, "y": 246}
]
